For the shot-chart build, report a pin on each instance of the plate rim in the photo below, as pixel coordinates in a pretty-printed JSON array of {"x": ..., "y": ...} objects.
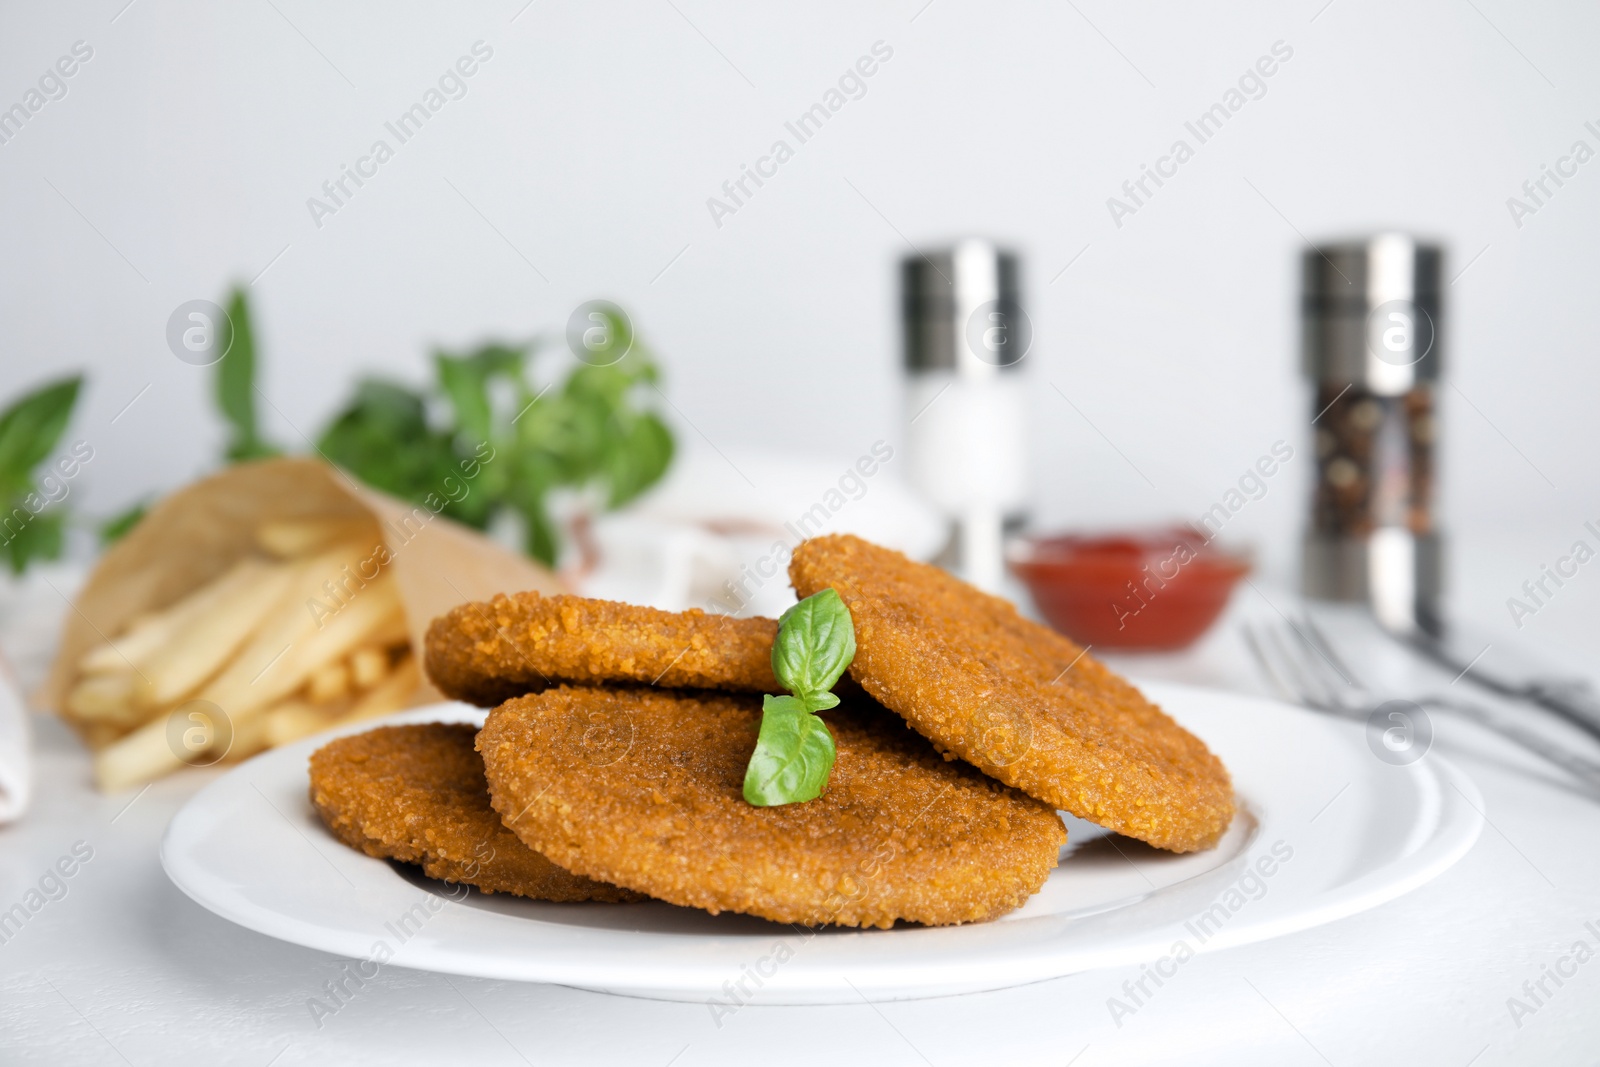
[{"x": 1458, "y": 824}]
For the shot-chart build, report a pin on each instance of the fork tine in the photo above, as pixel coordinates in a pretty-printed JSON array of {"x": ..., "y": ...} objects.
[
  {"x": 1334, "y": 683},
  {"x": 1314, "y": 689},
  {"x": 1325, "y": 647},
  {"x": 1264, "y": 662},
  {"x": 1282, "y": 667}
]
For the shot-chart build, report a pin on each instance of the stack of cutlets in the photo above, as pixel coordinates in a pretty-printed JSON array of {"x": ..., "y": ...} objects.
[{"x": 612, "y": 765}]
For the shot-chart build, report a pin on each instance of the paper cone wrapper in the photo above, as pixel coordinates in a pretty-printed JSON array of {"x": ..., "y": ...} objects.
[{"x": 198, "y": 533}]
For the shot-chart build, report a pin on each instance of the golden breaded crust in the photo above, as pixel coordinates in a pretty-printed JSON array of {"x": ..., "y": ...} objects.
[
  {"x": 523, "y": 643},
  {"x": 417, "y": 794},
  {"x": 643, "y": 788},
  {"x": 1017, "y": 700}
]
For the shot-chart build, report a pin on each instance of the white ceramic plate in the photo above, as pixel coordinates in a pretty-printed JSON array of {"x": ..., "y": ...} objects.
[{"x": 1325, "y": 829}]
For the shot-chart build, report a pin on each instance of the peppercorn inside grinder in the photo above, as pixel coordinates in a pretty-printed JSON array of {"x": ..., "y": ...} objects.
[{"x": 1371, "y": 325}]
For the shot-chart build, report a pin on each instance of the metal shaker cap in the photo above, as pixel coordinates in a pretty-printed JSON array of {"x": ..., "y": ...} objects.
[
  {"x": 1371, "y": 313},
  {"x": 960, "y": 310}
]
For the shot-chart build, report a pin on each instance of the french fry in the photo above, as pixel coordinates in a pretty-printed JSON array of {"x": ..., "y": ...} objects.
[
  {"x": 158, "y": 748},
  {"x": 294, "y": 719},
  {"x": 283, "y": 648},
  {"x": 373, "y": 616},
  {"x": 142, "y": 637},
  {"x": 150, "y": 633},
  {"x": 286, "y": 538},
  {"x": 392, "y": 632},
  {"x": 200, "y": 647},
  {"x": 249, "y": 737},
  {"x": 368, "y": 667},
  {"x": 141, "y": 756},
  {"x": 374, "y": 613},
  {"x": 283, "y": 654},
  {"x": 105, "y": 698},
  {"x": 328, "y": 683},
  {"x": 392, "y": 694}
]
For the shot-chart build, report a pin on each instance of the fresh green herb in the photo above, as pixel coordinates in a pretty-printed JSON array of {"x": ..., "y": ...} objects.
[
  {"x": 29, "y": 429},
  {"x": 525, "y": 442},
  {"x": 383, "y": 437},
  {"x": 794, "y": 751},
  {"x": 117, "y": 526},
  {"x": 816, "y": 642},
  {"x": 236, "y": 382},
  {"x": 41, "y": 537},
  {"x": 483, "y": 440}
]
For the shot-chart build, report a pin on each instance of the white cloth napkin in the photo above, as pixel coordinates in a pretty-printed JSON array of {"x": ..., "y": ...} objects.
[
  {"x": 716, "y": 533},
  {"x": 16, "y": 761}
]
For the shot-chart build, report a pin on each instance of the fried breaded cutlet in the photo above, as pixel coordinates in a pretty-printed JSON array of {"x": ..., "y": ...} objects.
[
  {"x": 1017, "y": 700},
  {"x": 417, "y": 794},
  {"x": 484, "y": 653},
  {"x": 643, "y": 788}
]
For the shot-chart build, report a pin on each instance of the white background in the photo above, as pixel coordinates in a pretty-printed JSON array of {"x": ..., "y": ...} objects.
[{"x": 585, "y": 150}]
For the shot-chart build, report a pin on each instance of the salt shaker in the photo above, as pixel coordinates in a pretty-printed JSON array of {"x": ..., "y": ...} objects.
[
  {"x": 1371, "y": 321},
  {"x": 966, "y": 441}
]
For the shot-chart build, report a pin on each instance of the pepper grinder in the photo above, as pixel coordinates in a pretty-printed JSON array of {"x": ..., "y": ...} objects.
[
  {"x": 1371, "y": 319},
  {"x": 965, "y": 337}
]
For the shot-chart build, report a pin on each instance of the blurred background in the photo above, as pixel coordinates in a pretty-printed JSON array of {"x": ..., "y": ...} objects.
[{"x": 580, "y": 159}]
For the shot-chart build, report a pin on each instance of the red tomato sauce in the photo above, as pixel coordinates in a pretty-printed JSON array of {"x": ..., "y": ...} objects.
[{"x": 1149, "y": 590}]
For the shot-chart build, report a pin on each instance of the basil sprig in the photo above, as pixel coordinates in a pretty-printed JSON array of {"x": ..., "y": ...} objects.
[
  {"x": 794, "y": 752},
  {"x": 596, "y": 433},
  {"x": 30, "y": 528}
]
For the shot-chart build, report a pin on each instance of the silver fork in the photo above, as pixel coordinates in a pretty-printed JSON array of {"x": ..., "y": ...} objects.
[{"x": 1299, "y": 660}]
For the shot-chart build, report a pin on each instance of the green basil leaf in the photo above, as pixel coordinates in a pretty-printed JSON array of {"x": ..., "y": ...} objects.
[
  {"x": 118, "y": 526},
  {"x": 819, "y": 701},
  {"x": 467, "y": 388},
  {"x": 29, "y": 430},
  {"x": 236, "y": 382},
  {"x": 816, "y": 642},
  {"x": 383, "y": 438},
  {"x": 36, "y": 537},
  {"x": 807, "y": 702},
  {"x": 465, "y": 382},
  {"x": 527, "y": 498},
  {"x": 793, "y": 757},
  {"x": 589, "y": 433},
  {"x": 640, "y": 456},
  {"x": 540, "y": 539}
]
